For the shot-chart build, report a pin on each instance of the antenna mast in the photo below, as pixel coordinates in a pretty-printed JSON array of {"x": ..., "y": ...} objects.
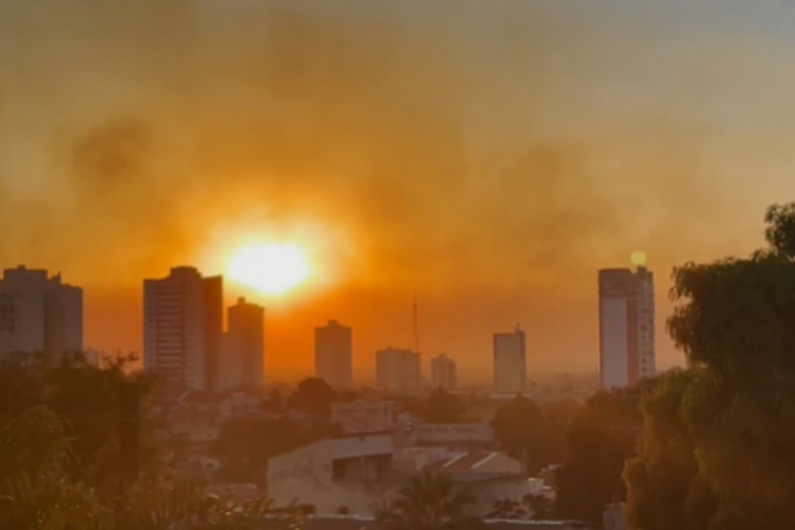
[{"x": 416, "y": 325}]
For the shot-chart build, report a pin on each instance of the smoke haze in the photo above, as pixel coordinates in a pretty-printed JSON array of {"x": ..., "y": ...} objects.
[{"x": 489, "y": 156}]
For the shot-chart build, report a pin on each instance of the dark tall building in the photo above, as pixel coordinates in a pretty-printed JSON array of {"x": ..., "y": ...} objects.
[
  {"x": 213, "y": 328},
  {"x": 334, "y": 354},
  {"x": 626, "y": 326},
  {"x": 182, "y": 328},
  {"x": 510, "y": 361},
  {"x": 39, "y": 314},
  {"x": 242, "y": 362},
  {"x": 443, "y": 372},
  {"x": 398, "y": 371}
]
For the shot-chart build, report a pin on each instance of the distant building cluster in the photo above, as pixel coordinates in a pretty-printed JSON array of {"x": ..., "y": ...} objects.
[
  {"x": 184, "y": 341},
  {"x": 186, "y": 345}
]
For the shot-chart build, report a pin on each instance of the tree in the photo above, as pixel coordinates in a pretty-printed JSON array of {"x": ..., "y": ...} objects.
[
  {"x": 664, "y": 487},
  {"x": 162, "y": 504},
  {"x": 523, "y": 430},
  {"x": 312, "y": 395},
  {"x": 507, "y": 509},
  {"x": 37, "y": 493},
  {"x": 602, "y": 436},
  {"x": 442, "y": 407},
  {"x": 430, "y": 502},
  {"x": 35, "y": 490},
  {"x": 244, "y": 446},
  {"x": 87, "y": 398},
  {"x": 734, "y": 407},
  {"x": 541, "y": 507}
]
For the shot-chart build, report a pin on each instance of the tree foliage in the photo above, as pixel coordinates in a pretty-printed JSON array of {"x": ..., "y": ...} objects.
[
  {"x": 244, "y": 446},
  {"x": 86, "y": 397},
  {"x": 430, "y": 502},
  {"x": 161, "y": 504},
  {"x": 665, "y": 489},
  {"x": 37, "y": 492},
  {"x": 442, "y": 407},
  {"x": 313, "y": 395},
  {"x": 602, "y": 436},
  {"x": 527, "y": 433},
  {"x": 718, "y": 437}
]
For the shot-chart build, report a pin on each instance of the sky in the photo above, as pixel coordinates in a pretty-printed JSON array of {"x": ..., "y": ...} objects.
[{"x": 489, "y": 156}]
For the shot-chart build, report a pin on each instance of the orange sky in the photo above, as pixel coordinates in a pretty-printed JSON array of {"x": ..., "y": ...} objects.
[{"x": 489, "y": 156}]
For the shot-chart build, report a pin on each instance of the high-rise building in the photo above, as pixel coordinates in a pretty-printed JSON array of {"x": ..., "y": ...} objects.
[
  {"x": 510, "y": 361},
  {"x": 241, "y": 364},
  {"x": 183, "y": 321},
  {"x": 398, "y": 371},
  {"x": 626, "y": 326},
  {"x": 443, "y": 372},
  {"x": 334, "y": 354},
  {"x": 39, "y": 314}
]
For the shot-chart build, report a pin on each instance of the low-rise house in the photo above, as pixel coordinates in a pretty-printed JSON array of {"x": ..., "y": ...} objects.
[
  {"x": 337, "y": 475},
  {"x": 361, "y": 474}
]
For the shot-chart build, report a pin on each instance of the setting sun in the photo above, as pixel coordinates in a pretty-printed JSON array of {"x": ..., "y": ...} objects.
[{"x": 270, "y": 268}]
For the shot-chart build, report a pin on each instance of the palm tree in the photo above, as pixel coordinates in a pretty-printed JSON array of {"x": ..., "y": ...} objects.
[{"x": 430, "y": 502}]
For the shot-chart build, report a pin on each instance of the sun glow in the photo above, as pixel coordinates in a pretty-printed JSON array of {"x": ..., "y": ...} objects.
[{"x": 272, "y": 268}]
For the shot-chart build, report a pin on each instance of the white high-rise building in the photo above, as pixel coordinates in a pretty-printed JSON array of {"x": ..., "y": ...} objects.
[
  {"x": 626, "y": 326},
  {"x": 398, "y": 371},
  {"x": 241, "y": 364},
  {"x": 510, "y": 361},
  {"x": 443, "y": 372},
  {"x": 39, "y": 314},
  {"x": 183, "y": 320},
  {"x": 334, "y": 354}
]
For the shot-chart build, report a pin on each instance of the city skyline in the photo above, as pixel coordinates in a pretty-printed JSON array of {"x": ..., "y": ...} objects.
[
  {"x": 397, "y": 264},
  {"x": 458, "y": 162},
  {"x": 333, "y": 359}
]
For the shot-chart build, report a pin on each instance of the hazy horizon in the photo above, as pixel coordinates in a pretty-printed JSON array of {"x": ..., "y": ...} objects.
[{"x": 489, "y": 157}]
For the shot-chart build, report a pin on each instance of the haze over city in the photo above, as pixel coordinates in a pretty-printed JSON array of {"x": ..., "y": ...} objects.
[{"x": 490, "y": 157}]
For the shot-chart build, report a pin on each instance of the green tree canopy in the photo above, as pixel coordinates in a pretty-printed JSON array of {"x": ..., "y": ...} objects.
[{"x": 733, "y": 409}]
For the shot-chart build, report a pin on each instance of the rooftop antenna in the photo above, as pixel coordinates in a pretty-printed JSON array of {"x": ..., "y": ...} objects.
[{"x": 416, "y": 325}]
